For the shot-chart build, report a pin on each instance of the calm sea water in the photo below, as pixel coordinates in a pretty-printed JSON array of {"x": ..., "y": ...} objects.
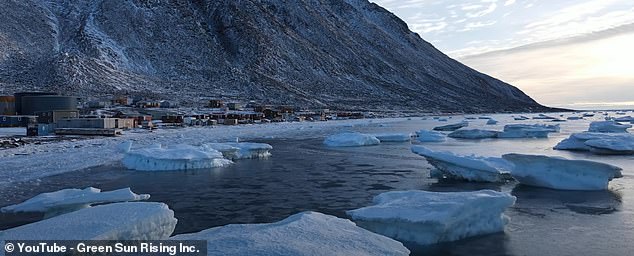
[{"x": 304, "y": 175}]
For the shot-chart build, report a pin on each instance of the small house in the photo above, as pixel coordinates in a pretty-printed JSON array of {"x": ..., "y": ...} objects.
[
  {"x": 216, "y": 104},
  {"x": 51, "y": 117}
]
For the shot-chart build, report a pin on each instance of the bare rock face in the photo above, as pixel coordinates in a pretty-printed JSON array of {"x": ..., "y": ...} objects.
[{"x": 349, "y": 54}]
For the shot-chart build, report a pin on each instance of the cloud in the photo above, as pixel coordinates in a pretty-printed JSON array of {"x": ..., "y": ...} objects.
[
  {"x": 560, "y": 52},
  {"x": 591, "y": 68},
  {"x": 491, "y": 8}
]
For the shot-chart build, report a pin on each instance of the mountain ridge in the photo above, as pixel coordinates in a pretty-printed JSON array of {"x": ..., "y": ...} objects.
[{"x": 341, "y": 54}]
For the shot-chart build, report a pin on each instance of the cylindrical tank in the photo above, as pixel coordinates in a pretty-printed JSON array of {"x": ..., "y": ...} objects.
[
  {"x": 33, "y": 104},
  {"x": 19, "y": 95},
  {"x": 7, "y": 105}
]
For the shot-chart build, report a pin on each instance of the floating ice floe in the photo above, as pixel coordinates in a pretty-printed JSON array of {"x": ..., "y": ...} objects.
[
  {"x": 306, "y": 233},
  {"x": 608, "y": 127},
  {"x": 588, "y": 114},
  {"x": 561, "y": 173},
  {"x": 125, "y": 146},
  {"x": 393, "y": 137},
  {"x": 430, "y": 136},
  {"x": 574, "y": 118},
  {"x": 484, "y": 117},
  {"x": 492, "y": 122},
  {"x": 177, "y": 157},
  {"x": 118, "y": 221},
  {"x": 70, "y": 200},
  {"x": 528, "y": 131},
  {"x": 599, "y": 143},
  {"x": 470, "y": 168},
  {"x": 542, "y": 116},
  {"x": 625, "y": 119},
  {"x": 451, "y": 127},
  {"x": 424, "y": 218},
  {"x": 241, "y": 150},
  {"x": 520, "y": 118},
  {"x": 351, "y": 139},
  {"x": 473, "y": 134}
]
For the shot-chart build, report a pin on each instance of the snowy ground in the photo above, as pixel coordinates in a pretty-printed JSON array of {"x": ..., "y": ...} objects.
[
  {"x": 33, "y": 161},
  {"x": 12, "y": 131}
]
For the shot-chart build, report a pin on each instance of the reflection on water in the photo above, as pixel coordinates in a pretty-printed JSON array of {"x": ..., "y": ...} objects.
[{"x": 304, "y": 175}]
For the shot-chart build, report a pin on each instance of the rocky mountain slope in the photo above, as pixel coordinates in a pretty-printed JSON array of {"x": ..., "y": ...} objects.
[{"x": 348, "y": 54}]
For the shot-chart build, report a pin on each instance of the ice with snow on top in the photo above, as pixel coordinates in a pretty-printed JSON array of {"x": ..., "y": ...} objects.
[
  {"x": 574, "y": 118},
  {"x": 393, "y": 137},
  {"x": 70, "y": 200},
  {"x": 470, "y": 168},
  {"x": 520, "y": 118},
  {"x": 492, "y": 121},
  {"x": 351, "y": 139},
  {"x": 306, "y": 233},
  {"x": 452, "y": 127},
  {"x": 625, "y": 119},
  {"x": 425, "y": 218},
  {"x": 118, "y": 221},
  {"x": 473, "y": 134},
  {"x": 542, "y": 116},
  {"x": 176, "y": 157},
  {"x": 561, "y": 173},
  {"x": 599, "y": 143},
  {"x": 608, "y": 127},
  {"x": 430, "y": 136},
  {"x": 241, "y": 150},
  {"x": 528, "y": 130},
  {"x": 612, "y": 146},
  {"x": 125, "y": 147}
]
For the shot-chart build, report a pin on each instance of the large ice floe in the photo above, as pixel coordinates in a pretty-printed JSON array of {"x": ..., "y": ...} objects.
[
  {"x": 452, "y": 127},
  {"x": 473, "y": 134},
  {"x": 599, "y": 143},
  {"x": 528, "y": 130},
  {"x": 176, "y": 157},
  {"x": 69, "y": 200},
  {"x": 240, "y": 150},
  {"x": 430, "y": 136},
  {"x": 393, "y": 137},
  {"x": 470, "y": 168},
  {"x": 118, "y": 221},
  {"x": 560, "y": 173},
  {"x": 424, "y": 218},
  {"x": 351, "y": 139},
  {"x": 625, "y": 119},
  {"x": 608, "y": 127},
  {"x": 492, "y": 121},
  {"x": 306, "y": 233}
]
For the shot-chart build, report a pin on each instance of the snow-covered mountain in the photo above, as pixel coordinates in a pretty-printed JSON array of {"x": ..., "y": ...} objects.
[{"x": 349, "y": 54}]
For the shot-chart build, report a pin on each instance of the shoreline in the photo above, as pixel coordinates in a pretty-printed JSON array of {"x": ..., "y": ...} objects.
[{"x": 34, "y": 161}]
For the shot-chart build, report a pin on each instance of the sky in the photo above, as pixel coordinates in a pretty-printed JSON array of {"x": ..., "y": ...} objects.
[{"x": 575, "y": 54}]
